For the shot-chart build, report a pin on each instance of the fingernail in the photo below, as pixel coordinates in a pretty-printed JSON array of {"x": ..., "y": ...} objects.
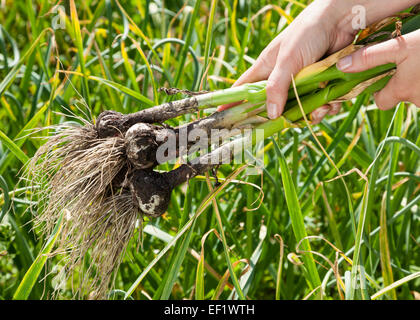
[
  {"x": 319, "y": 114},
  {"x": 345, "y": 63},
  {"x": 272, "y": 110}
]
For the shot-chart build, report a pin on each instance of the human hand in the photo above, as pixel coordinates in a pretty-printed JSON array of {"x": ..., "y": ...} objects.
[
  {"x": 312, "y": 34},
  {"x": 404, "y": 52},
  {"x": 324, "y": 27}
]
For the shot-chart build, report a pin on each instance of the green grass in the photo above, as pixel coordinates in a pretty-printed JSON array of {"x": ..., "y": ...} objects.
[{"x": 214, "y": 242}]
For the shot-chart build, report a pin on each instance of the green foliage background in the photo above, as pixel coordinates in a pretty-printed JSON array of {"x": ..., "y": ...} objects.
[{"x": 125, "y": 54}]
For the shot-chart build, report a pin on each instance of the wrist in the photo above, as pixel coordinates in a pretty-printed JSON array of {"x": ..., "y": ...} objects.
[
  {"x": 379, "y": 9},
  {"x": 351, "y": 13}
]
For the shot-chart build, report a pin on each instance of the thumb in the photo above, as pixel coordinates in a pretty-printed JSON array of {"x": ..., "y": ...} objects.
[{"x": 391, "y": 51}]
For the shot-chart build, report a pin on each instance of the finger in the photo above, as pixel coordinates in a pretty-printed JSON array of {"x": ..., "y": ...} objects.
[
  {"x": 335, "y": 108},
  {"x": 256, "y": 73},
  {"x": 278, "y": 84},
  {"x": 391, "y": 51},
  {"x": 319, "y": 114},
  {"x": 259, "y": 71},
  {"x": 390, "y": 96}
]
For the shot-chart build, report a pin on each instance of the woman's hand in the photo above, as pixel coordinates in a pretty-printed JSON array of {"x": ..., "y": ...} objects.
[
  {"x": 313, "y": 33},
  {"x": 404, "y": 52},
  {"x": 324, "y": 27}
]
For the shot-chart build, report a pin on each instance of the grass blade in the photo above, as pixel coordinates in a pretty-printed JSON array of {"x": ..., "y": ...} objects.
[
  {"x": 6, "y": 198},
  {"x": 13, "y": 148},
  {"x": 396, "y": 285},
  {"x": 79, "y": 45},
  {"x": 28, "y": 281},
  {"x": 297, "y": 221},
  {"x": 384, "y": 249}
]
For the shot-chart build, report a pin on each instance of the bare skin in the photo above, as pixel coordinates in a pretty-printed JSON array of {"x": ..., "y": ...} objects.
[
  {"x": 324, "y": 27},
  {"x": 404, "y": 52}
]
